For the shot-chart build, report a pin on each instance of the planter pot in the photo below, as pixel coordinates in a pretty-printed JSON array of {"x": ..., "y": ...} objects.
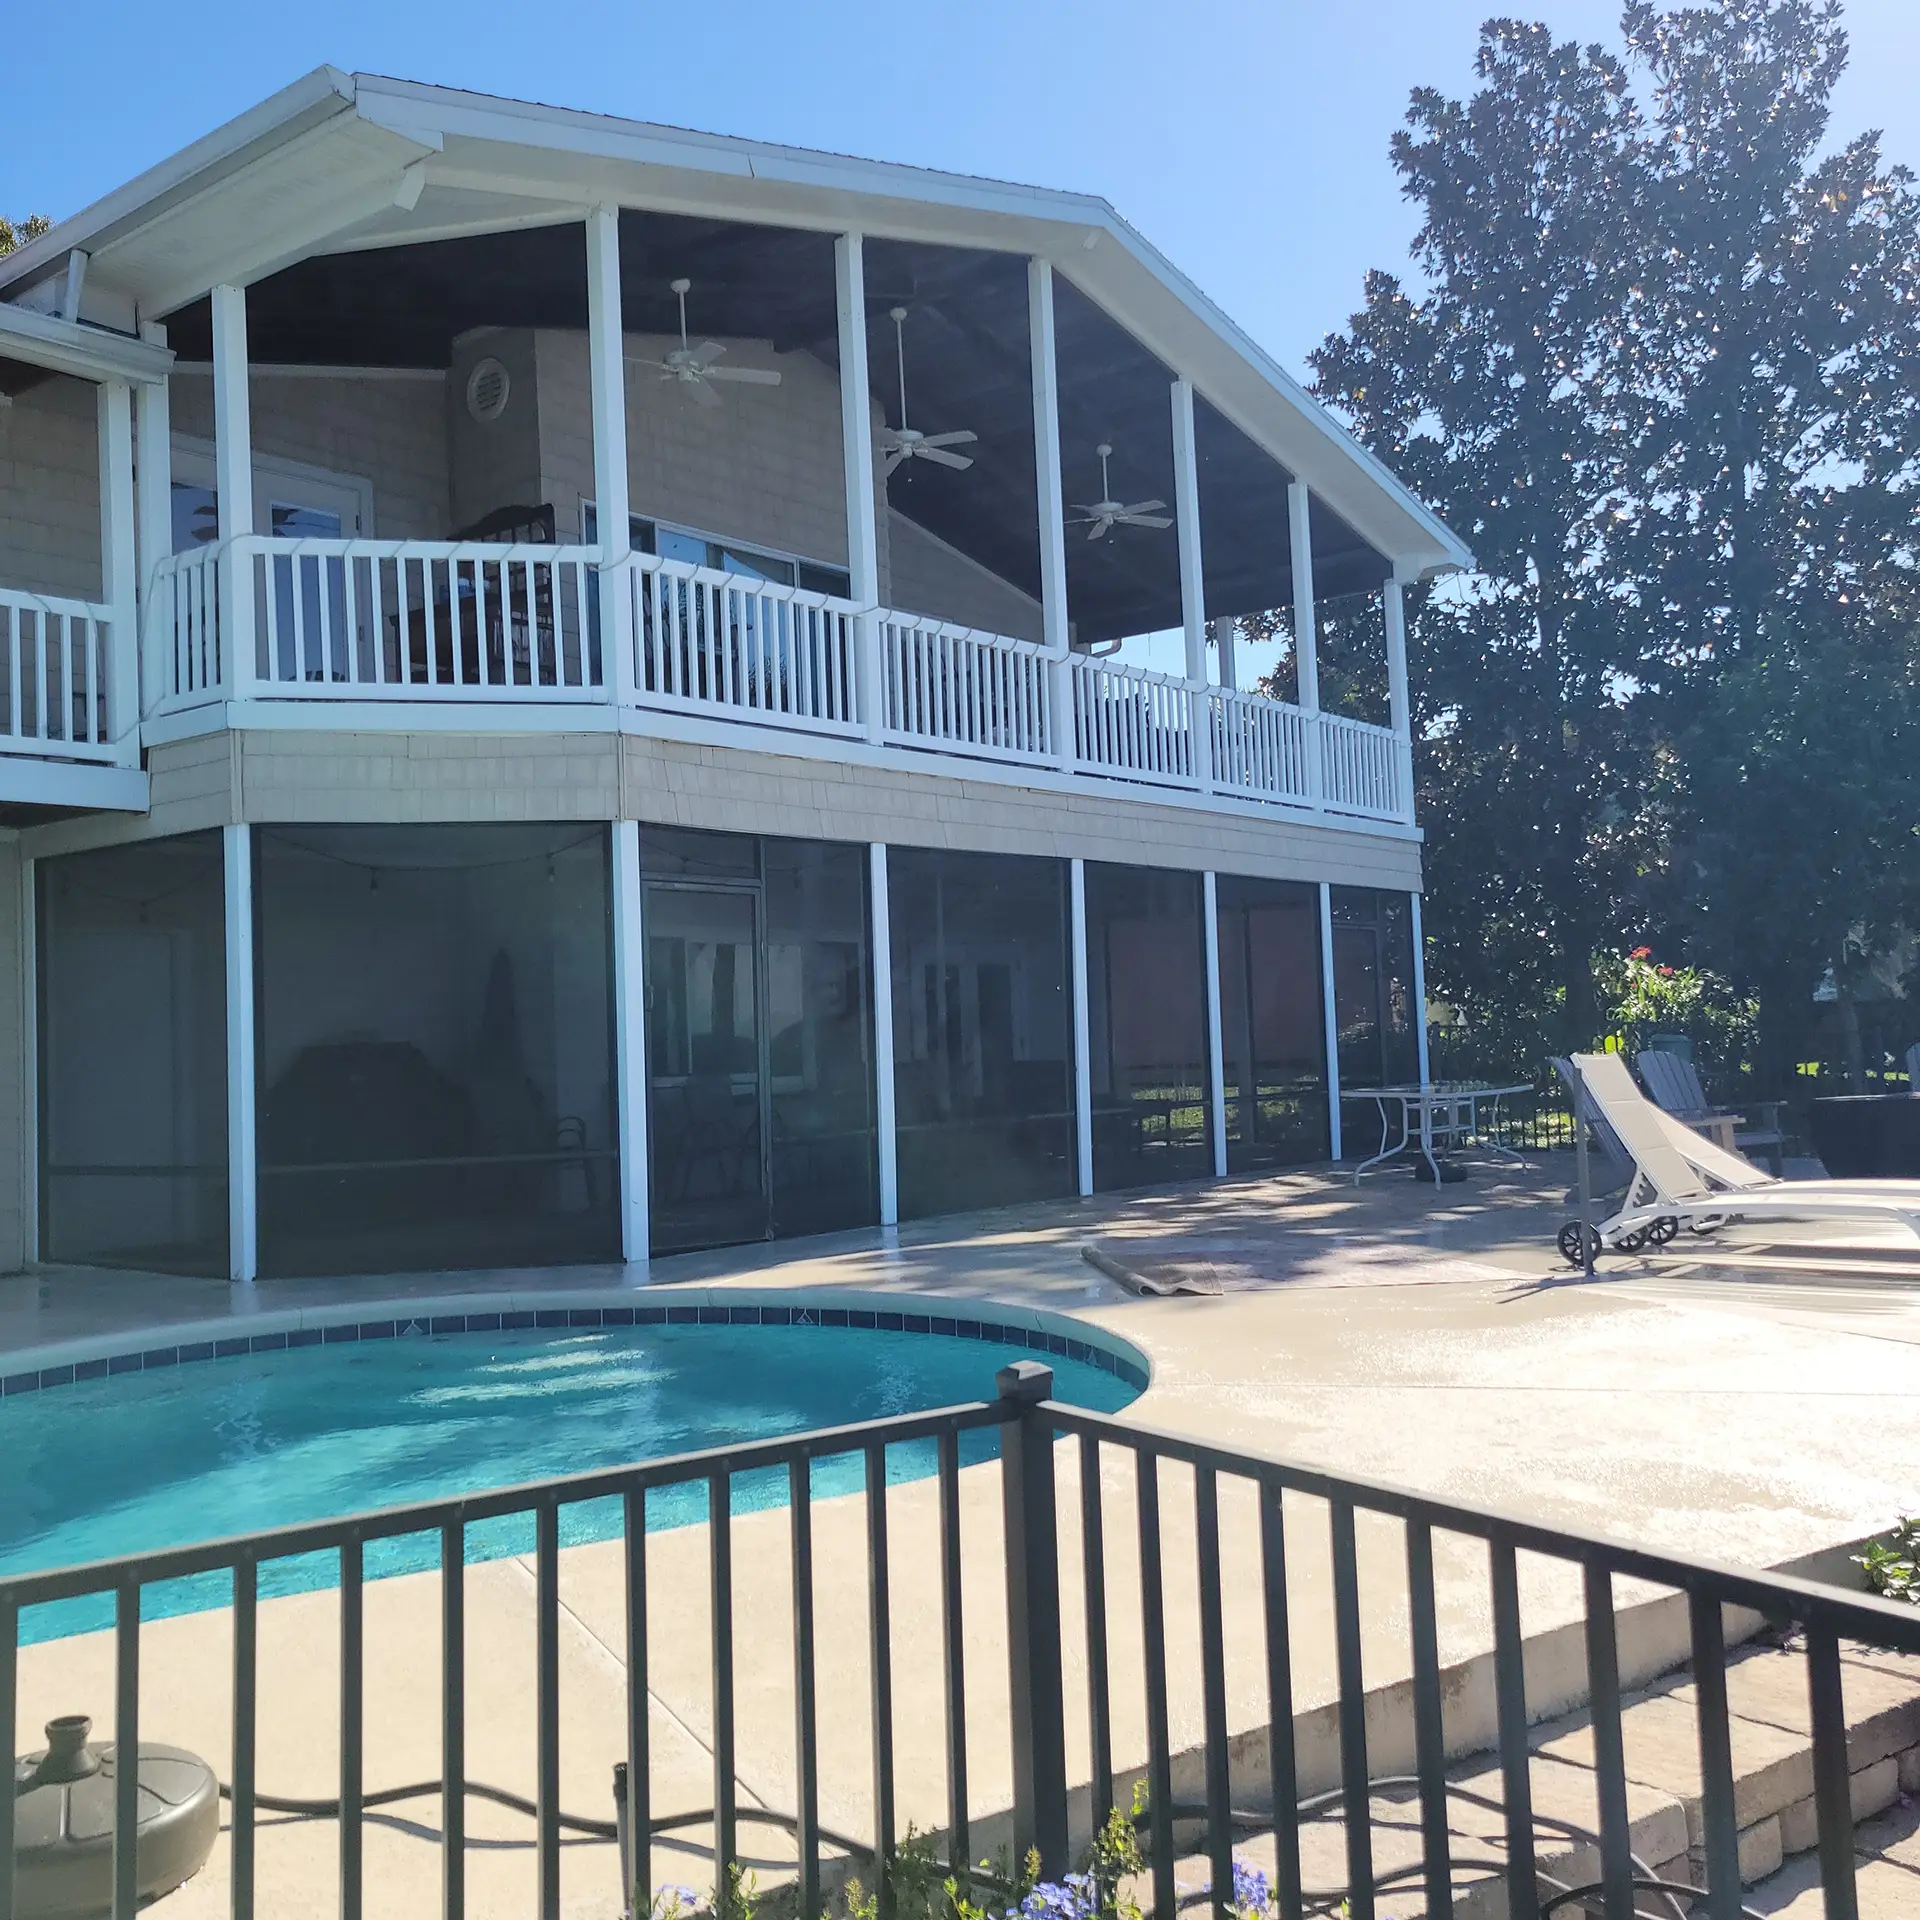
[{"x": 1870, "y": 1136}]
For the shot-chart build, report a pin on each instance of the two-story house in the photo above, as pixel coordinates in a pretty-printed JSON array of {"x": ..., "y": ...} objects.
[{"x": 565, "y": 692}]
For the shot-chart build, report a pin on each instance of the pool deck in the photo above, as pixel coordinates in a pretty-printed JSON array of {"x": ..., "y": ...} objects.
[{"x": 1744, "y": 1400}]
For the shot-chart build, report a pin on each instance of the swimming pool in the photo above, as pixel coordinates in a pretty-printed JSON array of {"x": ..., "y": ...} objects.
[{"x": 170, "y": 1453}]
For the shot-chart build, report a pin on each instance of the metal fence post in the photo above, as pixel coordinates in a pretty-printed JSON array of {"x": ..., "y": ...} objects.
[{"x": 1033, "y": 1620}]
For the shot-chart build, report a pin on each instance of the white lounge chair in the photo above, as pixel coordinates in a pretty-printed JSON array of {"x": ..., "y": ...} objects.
[
  {"x": 1675, "y": 1085},
  {"x": 1682, "y": 1178}
]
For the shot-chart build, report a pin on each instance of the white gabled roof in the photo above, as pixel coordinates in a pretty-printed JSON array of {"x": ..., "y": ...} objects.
[{"x": 338, "y": 161}]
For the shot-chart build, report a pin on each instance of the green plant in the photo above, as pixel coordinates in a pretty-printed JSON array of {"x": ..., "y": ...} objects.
[{"x": 1892, "y": 1566}]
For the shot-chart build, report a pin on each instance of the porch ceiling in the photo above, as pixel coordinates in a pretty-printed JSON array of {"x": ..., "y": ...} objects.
[{"x": 967, "y": 366}]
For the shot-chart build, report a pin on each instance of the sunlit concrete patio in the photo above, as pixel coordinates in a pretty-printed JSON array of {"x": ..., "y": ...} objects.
[{"x": 1741, "y": 1402}]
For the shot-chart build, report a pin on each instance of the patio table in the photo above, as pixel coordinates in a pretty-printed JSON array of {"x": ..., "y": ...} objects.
[{"x": 1443, "y": 1110}]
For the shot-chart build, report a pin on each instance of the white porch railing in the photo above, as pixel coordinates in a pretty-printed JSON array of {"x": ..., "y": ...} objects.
[
  {"x": 55, "y": 662},
  {"x": 436, "y": 621},
  {"x": 1261, "y": 747},
  {"x": 1133, "y": 723},
  {"x": 1360, "y": 768},
  {"x": 958, "y": 690},
  {"x": 741, "y": 648}
]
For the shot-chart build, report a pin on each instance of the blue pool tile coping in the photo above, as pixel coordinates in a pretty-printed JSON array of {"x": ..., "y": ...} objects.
[{"x": 1048, "y": 1333}]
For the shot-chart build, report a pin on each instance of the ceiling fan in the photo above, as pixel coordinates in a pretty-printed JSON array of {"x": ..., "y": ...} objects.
[
  {"x": 695, "y": 367},
  {"x": 1100, "y": 515},
  {"x": 909, "y": 443}
]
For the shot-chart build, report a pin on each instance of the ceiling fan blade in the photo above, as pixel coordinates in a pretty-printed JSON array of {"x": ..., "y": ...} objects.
[
  {"x": 1098, "y": 531},
  {"x": 891, "y": 439},
  {"x": 960, "y": 439},
  {"x": 1144, "y": 506},
  {"x": 1083, "y": 510},
  {"x": 706, "y": 353},
  {"x": 1144, "y": 520},
  {"x": 703, "y": 395},
  {"x": 942, "y": 458},
  {"x": 895, "y": 458},
  {"x": 641, "y": 360},
  {"x": 745, "y": 376}
]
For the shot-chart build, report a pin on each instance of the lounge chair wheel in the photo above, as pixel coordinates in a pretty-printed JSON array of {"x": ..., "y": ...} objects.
[
  {"x": 1663, "y": 1229},
  {"x": 1706, "y": 1226},
  {"x": 1569, "y": 1243},
  {"x": 1634, "y": 1241}
]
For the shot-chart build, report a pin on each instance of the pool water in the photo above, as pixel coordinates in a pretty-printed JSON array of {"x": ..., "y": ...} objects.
[{"x": 141, "y": 1461}]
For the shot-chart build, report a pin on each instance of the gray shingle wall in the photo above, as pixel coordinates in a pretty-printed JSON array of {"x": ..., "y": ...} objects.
[{"x": 50, "y": 490}]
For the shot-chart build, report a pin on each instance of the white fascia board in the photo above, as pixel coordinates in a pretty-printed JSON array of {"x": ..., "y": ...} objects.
[
  {"x": 69, "y": 346},
  {"x": 69, "y": 783},
  {"x": 319, "y": 96}
]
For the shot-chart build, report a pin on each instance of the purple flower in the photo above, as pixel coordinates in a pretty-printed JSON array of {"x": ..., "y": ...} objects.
[{"x": 1251, "y": 1894}]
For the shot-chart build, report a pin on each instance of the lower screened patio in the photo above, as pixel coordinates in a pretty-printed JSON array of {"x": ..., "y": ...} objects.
[{"x": 321, "y": 1048}]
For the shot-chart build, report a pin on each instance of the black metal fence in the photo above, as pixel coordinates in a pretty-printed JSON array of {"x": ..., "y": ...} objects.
[{"x": 1030, "y": 1579}]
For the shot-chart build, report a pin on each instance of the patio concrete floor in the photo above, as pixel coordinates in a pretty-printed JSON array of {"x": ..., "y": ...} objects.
[{"x": 1742, "y": 1401}]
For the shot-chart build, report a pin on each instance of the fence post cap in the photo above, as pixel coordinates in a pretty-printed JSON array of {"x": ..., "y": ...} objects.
[{"x": 1027, "y": 1380}]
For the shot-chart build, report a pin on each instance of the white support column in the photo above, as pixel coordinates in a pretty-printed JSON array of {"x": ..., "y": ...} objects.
[
  {"x": 886, "y": 1139},
  {"x": 1420, "y": 989},
  {"x": 1216, "y": 1046},
  {"x": 607, "y": 374},
  {"x": 630, "y": 1040},
  {"x": 1306, "y": 648},
  {"x": 153, "y": 491},
  {"x": 1306, "y": 652},
  {"x": 1193, "y": 593},
  {"x": 29, "y": 1063},
  {"x": 233, "y": 482},
  {"x": 1330, "y": 1018},
  {"x": 243, "y": 1198},
  {"x": 1226, "y": 634},
  {"x": 856, "y": 463},
  {"x": 1082, "y": 1029},
  {"x": 1052, "y": 515},
  {"x": 119, "y": 569},
  {"x": 1400, "y": 705}
]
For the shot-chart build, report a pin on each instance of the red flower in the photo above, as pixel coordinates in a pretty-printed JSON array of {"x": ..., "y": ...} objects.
[
  {"x": 1666, "y": 973},
  {"x": 1641, "y": 953}
]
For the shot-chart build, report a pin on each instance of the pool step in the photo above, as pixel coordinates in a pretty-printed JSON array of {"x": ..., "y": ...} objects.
[{"x": 1773, "y": 1791}]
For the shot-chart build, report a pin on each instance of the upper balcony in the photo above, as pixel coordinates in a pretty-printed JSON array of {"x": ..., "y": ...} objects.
[{"x": 903, "y": 474}]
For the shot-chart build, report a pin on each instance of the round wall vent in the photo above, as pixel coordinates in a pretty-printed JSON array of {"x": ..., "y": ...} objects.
[{"x": 489, "y": 387}]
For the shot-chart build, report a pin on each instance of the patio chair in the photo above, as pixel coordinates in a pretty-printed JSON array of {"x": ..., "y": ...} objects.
[
  {"x": 1682, "y": 1178},
  {"x": 1674, "y": 1082},
  {"x": 1619, "y": 1160},
  {"x": 1913, "y": 1068}
]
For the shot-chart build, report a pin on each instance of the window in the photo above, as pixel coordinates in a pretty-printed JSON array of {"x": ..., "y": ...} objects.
[
  {"x": 982, "y": 1029},
  {"x": 725, "y": 556},
  {"x": 1272, "y": 1034},
  {"x": 1146, "y": 1006}
]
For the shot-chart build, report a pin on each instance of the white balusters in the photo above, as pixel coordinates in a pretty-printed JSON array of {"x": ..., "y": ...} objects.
[
  {"x": 54, "y": 672},
  {"x": 959, "y": 690}
]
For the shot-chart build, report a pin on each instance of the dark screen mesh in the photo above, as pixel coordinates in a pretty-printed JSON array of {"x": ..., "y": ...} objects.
[
  {"x": 435, "y": 1047},
  {"x": 1146, "y": 1001},
  {"x": 759, "y": 1018},
  {"x": 1273, "y": 1039},
  {"x": 133, "y": 1056},
  {"x": 1373, "y": 988},
  {"x": 982, "y": 1028}
]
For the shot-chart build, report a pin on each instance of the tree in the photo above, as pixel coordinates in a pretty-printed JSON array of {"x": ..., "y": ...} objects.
[
  {"x": 1662, "y": 368},
  {"x": 17, "y": 235},
  {"x": 1498, "y": 392}
]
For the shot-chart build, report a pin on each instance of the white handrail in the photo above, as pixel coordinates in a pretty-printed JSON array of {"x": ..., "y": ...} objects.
[
  {"x": 418, "y": 620},
  {"x": 1133, "y": 723},
  {"x": 55, "y": 663},
  {"x": 741, "y": 647},
  {"x": 961, "y": 690}
]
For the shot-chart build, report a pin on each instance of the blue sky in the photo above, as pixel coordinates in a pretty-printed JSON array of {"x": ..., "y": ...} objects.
[{"x": 1247, "y": 140}]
